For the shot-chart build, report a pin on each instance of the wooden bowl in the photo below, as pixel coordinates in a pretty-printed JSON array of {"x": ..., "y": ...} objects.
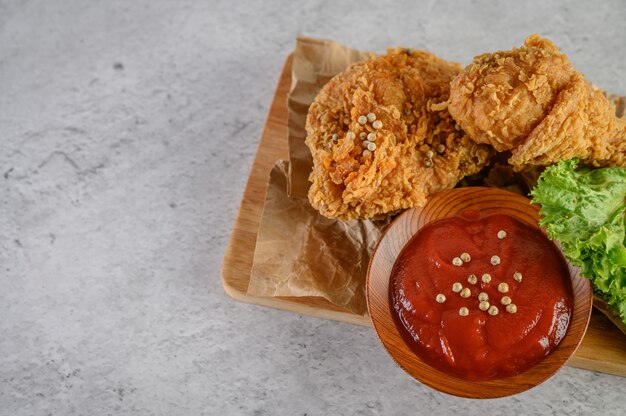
[{"x": 442, "y": 205}]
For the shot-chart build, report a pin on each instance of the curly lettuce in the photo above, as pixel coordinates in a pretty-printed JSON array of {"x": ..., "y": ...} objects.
[{"x": 585, "y": 210}]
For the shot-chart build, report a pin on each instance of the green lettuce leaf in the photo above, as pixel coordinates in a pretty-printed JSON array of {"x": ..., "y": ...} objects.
[{"x": 585, "y": 210}]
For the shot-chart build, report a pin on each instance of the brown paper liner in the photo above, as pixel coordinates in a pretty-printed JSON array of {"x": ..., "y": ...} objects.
[
  {"x": 301, "y": 253},
  {"x": 315, "y": 62}
]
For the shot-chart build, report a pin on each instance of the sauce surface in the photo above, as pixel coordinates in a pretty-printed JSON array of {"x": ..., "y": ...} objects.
[{"x": 440, "y": 279}]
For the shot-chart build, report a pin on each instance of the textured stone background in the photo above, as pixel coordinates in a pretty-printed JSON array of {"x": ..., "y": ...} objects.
[{"x": 127, "y": 130}]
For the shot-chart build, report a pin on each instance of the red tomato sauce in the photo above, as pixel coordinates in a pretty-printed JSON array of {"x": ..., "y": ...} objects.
[{"x": 460, "y": 336}]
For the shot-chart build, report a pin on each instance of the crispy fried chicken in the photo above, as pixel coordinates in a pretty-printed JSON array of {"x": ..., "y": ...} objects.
[
  {"x": 531, "y": 101},
  {"x": 382, "y": 138}
]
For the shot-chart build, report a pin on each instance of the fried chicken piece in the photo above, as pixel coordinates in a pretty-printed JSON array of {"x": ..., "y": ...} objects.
[
  {"x": 581, "y": 124},
  {"x": 501, "y": 97},
  {"x": 531, "y": 101},
  {"x": 382, "y": 138}
]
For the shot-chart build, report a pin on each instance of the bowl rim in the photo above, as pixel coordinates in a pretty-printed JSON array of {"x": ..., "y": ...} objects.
[{"x": 439, "y": 380}]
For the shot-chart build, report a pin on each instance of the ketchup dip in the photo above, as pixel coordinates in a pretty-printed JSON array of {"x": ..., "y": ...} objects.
[{"x": 481, "y": 297}]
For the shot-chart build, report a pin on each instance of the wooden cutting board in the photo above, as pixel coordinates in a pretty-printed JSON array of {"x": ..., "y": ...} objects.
[{"x": 603, "y": 348}]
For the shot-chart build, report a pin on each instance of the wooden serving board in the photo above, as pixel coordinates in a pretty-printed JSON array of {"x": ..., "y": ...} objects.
[{"x": 603, "y": 348}]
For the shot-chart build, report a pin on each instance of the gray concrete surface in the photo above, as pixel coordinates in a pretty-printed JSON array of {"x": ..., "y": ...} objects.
[{"x": 127, "y": 130}]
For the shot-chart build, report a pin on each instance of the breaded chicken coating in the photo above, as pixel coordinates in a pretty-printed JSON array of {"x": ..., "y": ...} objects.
[
  {"x": 382, "y": 138},
  {"x": 531, "y": 101}
]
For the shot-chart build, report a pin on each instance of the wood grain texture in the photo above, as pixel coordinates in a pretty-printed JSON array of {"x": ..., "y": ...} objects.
[
  {"x": 603, "y": 348},
  {"x": 272, "y": 147},
  {"x": 397, "y": 235}
]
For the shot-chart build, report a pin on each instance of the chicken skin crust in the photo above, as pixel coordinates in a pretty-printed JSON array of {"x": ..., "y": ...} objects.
[
  {"x": 531, "y": 101},
  {"x": 382, "y": 138}
]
